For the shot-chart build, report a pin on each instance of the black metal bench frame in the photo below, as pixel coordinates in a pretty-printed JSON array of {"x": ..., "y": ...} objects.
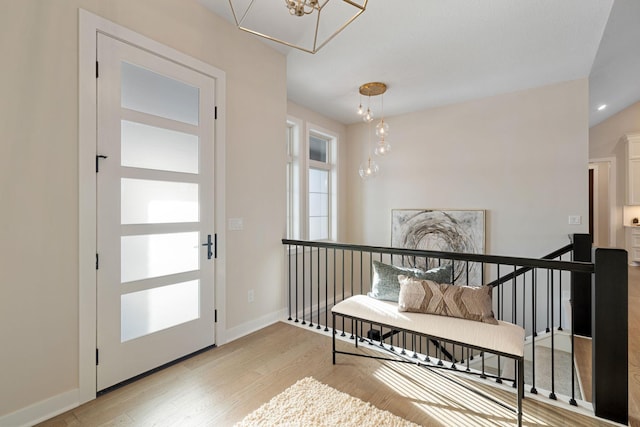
[{"x": 519, "y": 360}]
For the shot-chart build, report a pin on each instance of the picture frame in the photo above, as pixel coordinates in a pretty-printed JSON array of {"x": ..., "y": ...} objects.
[{"x": 443, "y": 230}]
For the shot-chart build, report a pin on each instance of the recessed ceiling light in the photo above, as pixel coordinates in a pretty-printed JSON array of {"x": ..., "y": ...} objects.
[{"x": 602, "y": 107}]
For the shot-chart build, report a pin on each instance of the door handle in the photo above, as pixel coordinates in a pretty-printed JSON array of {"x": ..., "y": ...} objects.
[{"x": 208, "y": 245}]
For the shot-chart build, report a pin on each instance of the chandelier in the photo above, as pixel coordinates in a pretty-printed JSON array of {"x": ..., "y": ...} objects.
[
  {"x": 301, "y": 7},
  {"x": 314, "y": 24},
  {"x": 369, "y": 168}
]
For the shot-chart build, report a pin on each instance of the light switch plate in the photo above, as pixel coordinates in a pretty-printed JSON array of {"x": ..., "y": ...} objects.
[
  {"x": 575, "y": 220},
  {"x": 235, "y": 224}
]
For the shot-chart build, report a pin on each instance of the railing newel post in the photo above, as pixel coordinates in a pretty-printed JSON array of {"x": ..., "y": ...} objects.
[{"x": 610, "y": 329}]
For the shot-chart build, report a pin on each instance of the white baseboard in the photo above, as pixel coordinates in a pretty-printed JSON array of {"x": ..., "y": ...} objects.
[
  {"x": 42, "y": 411},
  {"x": 239, "y": 331},
  {"x": 311, "y": 313},
  {"x": 56, "y": 405}
]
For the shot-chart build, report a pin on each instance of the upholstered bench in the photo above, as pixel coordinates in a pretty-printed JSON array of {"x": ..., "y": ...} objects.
[{"x": 503, "y": 339}]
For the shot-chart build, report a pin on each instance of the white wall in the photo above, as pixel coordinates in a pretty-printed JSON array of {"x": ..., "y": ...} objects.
[
  {"x": 523, "y": 157},
  {"x": 604, "y": 137},
  {"x": 39, "y": 178}
]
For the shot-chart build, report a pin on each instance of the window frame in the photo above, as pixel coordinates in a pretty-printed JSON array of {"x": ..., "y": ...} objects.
[{"x": 298, "y": 166}]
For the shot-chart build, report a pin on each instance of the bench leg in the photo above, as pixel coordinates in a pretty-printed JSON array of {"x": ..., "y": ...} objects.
[
  {"x": 333, "y": 337},
  {"x": 520, "y": 388}
]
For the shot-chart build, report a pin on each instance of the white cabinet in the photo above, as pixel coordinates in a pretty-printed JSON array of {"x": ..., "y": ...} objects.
[
  {"x": 632, "y": 142},
  {"x": 633, "y": 244}
]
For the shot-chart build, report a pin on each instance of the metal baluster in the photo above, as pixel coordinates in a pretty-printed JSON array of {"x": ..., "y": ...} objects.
[
  {"x": 534, "y": 328},
  {"x": 404, "y": 342},
  {"x": 343, "y": 298},
  {"x": 413, "y": 346},
  {"x": 361, "y": 272},
  {"x": 501, "y": 310},
  {"x": 552, "y": 395},
  {"x": 326, "y": 312},
  {"x": 311, "y": 287},
  {"x": 468, "y": 358},
  {"x": 524, "y": 301},
  {"x": 572, "y": 401},
  {"x": 514, "y": 302},
  {"x": 297, "y": 286},
  {"x": 325, "y": 285},
  {"x": 549, "y": 297},
  {"x": 289, "y": 276},
  {"x": 325, "y": 301},
  {"x": 560, "y": 298}
]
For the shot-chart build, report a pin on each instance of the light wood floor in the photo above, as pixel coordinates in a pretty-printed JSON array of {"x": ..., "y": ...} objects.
[{"x": 221, "y": 386}]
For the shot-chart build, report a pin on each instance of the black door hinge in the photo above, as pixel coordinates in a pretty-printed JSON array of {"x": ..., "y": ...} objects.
[
  {"x": 97, "y": 72},
  {"x": 215, "y": 246},
  {"x": 215, "y": 113},
  {"x": 97, "y": 262},
  {"x": 215, "y": 316},
  {"x": 97, "y": 357}
]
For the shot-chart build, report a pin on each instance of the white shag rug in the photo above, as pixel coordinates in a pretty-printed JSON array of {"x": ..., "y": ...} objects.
[{"x": 311, "y": 403}]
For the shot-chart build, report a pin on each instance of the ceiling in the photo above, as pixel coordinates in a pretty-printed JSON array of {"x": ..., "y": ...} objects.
[{"x": 438, "y": 52}]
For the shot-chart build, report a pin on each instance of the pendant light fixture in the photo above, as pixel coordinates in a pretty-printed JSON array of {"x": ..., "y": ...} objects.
[{"x": 369, "y": 168}]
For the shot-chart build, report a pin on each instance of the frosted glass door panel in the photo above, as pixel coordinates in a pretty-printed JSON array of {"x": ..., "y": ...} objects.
[
  {"x": 160, "y": 308},
  {"x": 155, "y": 255},
  {"x": 153, "y": 93},
  {"x": 154, "y": 202},
  {"x": 151, "y": 147}
]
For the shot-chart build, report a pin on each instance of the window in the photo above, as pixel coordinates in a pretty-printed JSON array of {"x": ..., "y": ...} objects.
[
  {"x": 318, "y": 188},
  {"x": 311, "y": 183}
]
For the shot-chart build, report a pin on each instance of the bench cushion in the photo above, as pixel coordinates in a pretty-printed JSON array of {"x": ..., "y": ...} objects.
[{"x": 504, "y": 337}]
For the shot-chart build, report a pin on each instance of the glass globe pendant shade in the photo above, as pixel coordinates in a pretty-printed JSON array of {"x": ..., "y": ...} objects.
[
  {"x": 368, "y": 169},
  {"x": 360, "y": 110},
  {"x": 368, "y": 117},
  {"x": 382, "y": 129},
  {"x": 383, "y": 148}
]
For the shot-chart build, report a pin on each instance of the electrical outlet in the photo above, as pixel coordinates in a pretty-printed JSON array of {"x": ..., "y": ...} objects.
[
  {"x": 575, "y": 220},
  {"x": 250, "y": 296}
]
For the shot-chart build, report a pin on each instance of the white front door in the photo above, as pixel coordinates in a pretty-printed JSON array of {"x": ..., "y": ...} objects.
[{"x": 155, "y": 186}]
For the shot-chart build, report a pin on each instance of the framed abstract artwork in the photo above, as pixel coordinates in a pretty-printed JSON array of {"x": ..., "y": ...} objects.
[{"x": 460, "y": 231}]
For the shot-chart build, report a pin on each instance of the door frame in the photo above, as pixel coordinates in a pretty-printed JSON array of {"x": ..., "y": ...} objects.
[
  {"x": 89, "y": 26},
  {"x": 615, "y": 214}
]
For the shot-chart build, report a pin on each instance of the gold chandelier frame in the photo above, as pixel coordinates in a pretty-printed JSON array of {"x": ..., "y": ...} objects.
[{"x": 317, "y": 45}]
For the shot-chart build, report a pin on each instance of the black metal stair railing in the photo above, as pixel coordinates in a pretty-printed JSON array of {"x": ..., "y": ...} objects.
[{"x": 536, "y": 294}]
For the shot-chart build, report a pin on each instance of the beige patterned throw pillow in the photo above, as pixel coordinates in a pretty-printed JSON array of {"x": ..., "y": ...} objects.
[{"x": 427, "y": 296}]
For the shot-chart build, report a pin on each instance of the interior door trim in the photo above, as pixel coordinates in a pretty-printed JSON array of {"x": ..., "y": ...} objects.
[{"x": 89, "y": 26}]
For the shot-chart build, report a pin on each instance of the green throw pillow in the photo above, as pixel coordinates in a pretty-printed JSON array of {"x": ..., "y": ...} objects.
[{"x": 385, "y": 285}]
